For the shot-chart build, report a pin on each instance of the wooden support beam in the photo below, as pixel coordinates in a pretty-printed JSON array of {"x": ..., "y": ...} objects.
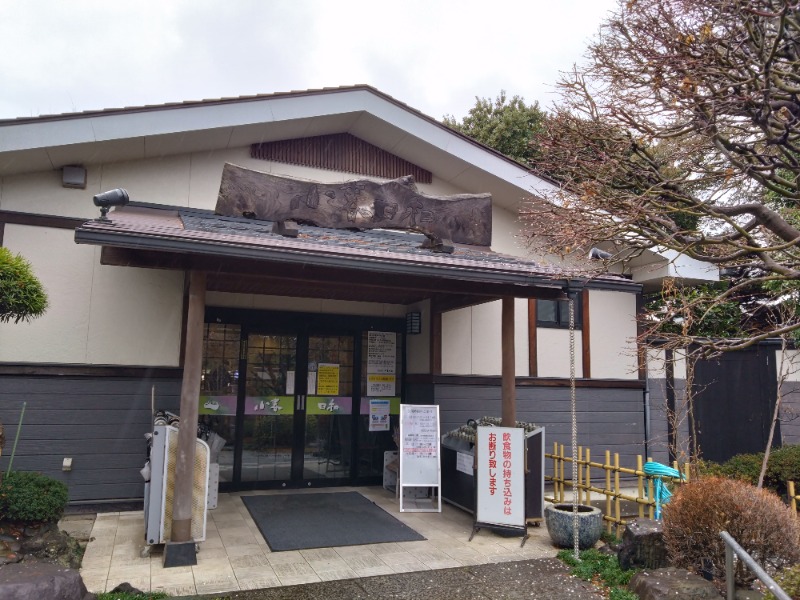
[
  {"x": 533, "y": 355},
  {"x": 586, "y": 355},
  {"x": 509, "y": 393},
  {"x": 190, "y": 393}
]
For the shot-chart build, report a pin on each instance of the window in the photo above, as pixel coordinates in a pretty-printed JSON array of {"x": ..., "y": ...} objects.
[{"x": 555, "y": 313}]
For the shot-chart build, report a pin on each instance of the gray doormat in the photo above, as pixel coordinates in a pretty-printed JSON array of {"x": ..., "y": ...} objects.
[{"x": 302, "y": 521}]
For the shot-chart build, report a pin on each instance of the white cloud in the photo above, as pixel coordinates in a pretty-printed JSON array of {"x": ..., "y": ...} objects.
[{"x": 435, "y": 56}]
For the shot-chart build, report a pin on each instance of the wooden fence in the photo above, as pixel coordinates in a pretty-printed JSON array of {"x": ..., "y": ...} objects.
[{"x": 614, "y": 490}]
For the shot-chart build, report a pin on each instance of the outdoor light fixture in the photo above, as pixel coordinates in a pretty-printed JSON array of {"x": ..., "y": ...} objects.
[
  {"x": 73, "y": 176},
  {"x": 597, "y": 254},
  {"x": 413, "y": 323},
  {"x": 106, "y": 200}
]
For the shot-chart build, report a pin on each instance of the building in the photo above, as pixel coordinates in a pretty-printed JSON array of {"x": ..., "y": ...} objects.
[{"x": 289, "y": 321}]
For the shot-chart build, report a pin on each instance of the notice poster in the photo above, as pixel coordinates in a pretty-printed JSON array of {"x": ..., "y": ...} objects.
[
  {"x": 379, "y": 414},
  {"x": 420, "y": 464},
  {"x": 327, "y": 379},
  {"x": 501, "y": 476},
  {"x": 380, "y": 385},
  {"x": 381, "y": 352}
]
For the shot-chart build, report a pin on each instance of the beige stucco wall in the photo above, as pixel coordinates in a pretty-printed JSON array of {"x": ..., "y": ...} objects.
[
  {"x": 788, "y": 365},
  {"x": 137, "y": 300},
  {"x": 97, "y": 314},
  {"x": 471, "y": 340},
  {"x": 192, "y": 180},
  {"x": 552, "y": 356},
  {"x": 612, "y": 335}
]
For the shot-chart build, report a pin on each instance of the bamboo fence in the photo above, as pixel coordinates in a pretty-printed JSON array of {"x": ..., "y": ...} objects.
[{"x": 615, "y": 490}]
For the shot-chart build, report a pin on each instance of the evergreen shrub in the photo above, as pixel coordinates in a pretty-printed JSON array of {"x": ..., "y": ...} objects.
[
  {"x": 789, "y": 580},
  {"x": 28, "y": 496},
  {"x": 757, "y": 519}
]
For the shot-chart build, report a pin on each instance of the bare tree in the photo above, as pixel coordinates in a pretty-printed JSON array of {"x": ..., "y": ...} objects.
[{"x": 682, "y": 132}]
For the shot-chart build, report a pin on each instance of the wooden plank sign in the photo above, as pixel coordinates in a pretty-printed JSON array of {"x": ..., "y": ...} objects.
[{"x": 361, "y": 204}]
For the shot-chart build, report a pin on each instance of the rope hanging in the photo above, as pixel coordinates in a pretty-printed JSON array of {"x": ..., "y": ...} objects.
[
  {"x": 573, "y": 407},
  {"x": 661, "y": 493}
]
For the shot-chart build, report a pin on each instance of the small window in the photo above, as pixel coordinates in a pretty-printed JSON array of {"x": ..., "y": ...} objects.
[{"x": 555, "y": 313}]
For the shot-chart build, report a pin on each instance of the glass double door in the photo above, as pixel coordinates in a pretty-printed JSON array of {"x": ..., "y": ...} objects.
[{"x": 295, "y": 409}]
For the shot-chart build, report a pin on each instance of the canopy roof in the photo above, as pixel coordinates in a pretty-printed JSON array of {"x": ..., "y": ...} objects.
[{"x": 245, "y": 256}]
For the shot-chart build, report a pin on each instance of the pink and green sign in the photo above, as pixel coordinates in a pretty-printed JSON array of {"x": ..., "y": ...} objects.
[
  {"x": 327, "y": 405},
  {"x": 253, "y": 405}
]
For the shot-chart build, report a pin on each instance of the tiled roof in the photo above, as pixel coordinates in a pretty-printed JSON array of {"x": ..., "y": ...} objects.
[{"x": 198, "y": 231}]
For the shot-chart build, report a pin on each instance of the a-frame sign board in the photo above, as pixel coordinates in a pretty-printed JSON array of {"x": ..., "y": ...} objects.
[
  {"x": 500, "y": 495},
  {"x": 420, "y": 456}
]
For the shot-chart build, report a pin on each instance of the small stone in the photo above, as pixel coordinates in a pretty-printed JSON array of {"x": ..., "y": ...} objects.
[
  {"x": 662, "y": 584},
  {"x": 126, "y": 588},
  {"x": 643, "y": 546}
]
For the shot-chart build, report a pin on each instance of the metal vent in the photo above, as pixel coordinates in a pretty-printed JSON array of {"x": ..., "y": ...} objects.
[{"x": 340, "y": 152}]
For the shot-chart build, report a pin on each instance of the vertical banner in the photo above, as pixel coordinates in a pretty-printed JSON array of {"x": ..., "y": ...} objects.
[{"x": 501, "y": 476}]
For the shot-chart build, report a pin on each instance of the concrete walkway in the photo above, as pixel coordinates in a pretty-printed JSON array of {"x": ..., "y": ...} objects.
[
  {"x": 539, "y": 579},
  {"x": 235, "y": 557}
]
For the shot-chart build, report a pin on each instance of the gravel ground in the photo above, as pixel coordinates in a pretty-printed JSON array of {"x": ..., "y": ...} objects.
[{"x": 539, "y": 579}]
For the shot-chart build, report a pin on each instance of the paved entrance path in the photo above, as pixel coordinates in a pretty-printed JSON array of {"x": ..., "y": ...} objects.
[
  {"x": 235, "y": 557},
  {"x": 539, "y": 579}
]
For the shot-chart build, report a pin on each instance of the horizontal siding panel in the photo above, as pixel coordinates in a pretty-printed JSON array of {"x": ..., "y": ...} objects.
[
  {"x": 53, "y": 462},
  {"x": 77, "y": 431},
  {"x": 119, "y": 491},
  {"x": 89, "y": 386},
  {"x": 84, "y": 417},
  {"x": 99, "y": 422},
  {"x": 108, "y": 446}
]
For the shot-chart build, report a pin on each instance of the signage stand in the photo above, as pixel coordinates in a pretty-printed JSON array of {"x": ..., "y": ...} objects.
[
  {"x": 420, "y": 464},
  {"x": 500, "y": 482}
]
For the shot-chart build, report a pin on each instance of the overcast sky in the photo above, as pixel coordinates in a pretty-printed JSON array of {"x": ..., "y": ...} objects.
[{"x": 436, "y": 56}]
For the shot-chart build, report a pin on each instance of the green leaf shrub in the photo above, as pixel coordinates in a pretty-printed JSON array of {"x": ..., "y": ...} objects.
[
  {"x": 757, "y": 519},
  {"x": 789, "y": 580},
  {"x": 22, "y": 297},
  {"x": 594, "y": 564},
  {"x": 28, "y": 496},
  {"x": 783, "y": 466}
]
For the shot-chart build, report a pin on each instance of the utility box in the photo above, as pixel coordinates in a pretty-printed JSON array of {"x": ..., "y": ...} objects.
[{"x": 158, "y": 492}]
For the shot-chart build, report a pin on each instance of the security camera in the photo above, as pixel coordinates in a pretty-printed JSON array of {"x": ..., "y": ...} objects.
[
  {"x": 597, "y": 254},
  {"x": 106, "y": 200}
]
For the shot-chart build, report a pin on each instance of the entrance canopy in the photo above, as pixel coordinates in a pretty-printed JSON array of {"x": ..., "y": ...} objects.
[{"x": 241, "y": 255}]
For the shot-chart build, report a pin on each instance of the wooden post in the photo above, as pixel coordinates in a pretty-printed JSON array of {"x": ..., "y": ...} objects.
[
  {"x": 640, "y": 488},
  {"x": 607, "y": 469},
  {"x": 588, "y": 478},
  {"x": 190, "y": 394},
  {"x": 509, "y": 397},
  {"x": 617, "y": 511},
  {"x": 792, "y": 497}
]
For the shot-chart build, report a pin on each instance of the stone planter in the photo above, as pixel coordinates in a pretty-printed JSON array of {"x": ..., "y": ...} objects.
[{"x": 558, "y": 518}]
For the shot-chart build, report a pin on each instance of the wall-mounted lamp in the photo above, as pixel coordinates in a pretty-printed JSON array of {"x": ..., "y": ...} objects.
[
  {"x": 413, "y": 323},
  {"x": 106, "y": 200}
]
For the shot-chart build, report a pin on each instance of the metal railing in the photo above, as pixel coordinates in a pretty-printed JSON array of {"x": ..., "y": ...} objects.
[{"x": 731, "y": 548}]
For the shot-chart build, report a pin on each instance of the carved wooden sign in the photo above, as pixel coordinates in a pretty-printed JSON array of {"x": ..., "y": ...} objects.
[{"x": 362, "y": 204}]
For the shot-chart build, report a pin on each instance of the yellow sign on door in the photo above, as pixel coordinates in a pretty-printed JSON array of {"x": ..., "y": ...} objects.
[{"x": 327, "y": 380}]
